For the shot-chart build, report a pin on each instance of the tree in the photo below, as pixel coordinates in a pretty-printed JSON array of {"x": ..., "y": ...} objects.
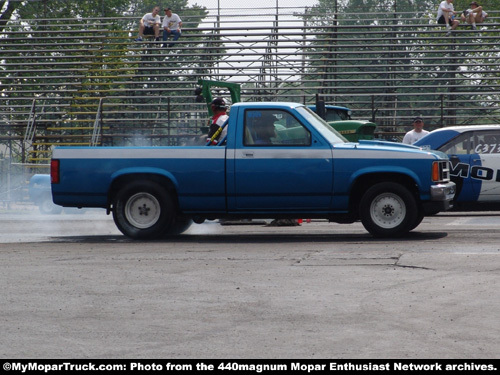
[
  {"x": 62, "y": 8},
  {"x": 53, "y": 48},
  {"x": 368, "y": 46},
  {"x": 7, "y": 9}
]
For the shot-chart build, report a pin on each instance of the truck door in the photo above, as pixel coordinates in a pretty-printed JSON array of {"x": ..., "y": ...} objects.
[
  {"x": 462, "y": 160},
  {"x": 279, "y": 165}
]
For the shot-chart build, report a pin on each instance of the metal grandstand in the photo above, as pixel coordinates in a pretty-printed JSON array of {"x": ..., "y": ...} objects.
[{"x": 87, "y": 82}]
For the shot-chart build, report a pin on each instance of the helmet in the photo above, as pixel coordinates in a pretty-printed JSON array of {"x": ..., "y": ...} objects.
[{"x": 219, "y": 103}]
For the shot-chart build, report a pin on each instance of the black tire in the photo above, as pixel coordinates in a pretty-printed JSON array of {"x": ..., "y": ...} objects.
[
  {"x": 180, "y": 225},
  {"x": 143, "y": 210},
  {"x": 388, "y": 209},
  {"x": 47, "y": 207},
  {"x": 419, "y": 219}
]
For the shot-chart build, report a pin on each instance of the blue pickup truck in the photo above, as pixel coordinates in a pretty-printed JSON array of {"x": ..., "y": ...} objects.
[{"x": 279, "y": 160}]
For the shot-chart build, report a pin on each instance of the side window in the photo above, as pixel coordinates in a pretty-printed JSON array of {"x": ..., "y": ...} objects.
[
  {"x": 460, "y": 145},
  {"x": 486, "y": 142},
  {"x": 268, "y": 127}
]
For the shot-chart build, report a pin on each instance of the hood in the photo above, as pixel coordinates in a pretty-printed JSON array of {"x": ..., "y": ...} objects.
[
  {"x": 436, "y": 139},
  {"x": 386, "y": 146},
  {"x": 342, "y": 123}
]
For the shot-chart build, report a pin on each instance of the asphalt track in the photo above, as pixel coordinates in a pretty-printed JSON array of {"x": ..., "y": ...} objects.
[{"x": 74, "y": 287}]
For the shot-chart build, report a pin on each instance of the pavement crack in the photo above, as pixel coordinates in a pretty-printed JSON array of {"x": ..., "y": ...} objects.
[
  {"x": 415, "y": 267},
  {"x": 398, "y": 259}
]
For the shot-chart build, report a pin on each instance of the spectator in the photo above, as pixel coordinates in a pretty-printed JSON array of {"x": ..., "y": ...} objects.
[
  {"x": 219, "y": 109},
  {"x": 418, "y": 131},
  {"x": 446, "y": 16},
  {"x": 172, "y": 24},
  {"x": 150, "y": 25},
  {"x": 475, "y": 14}
]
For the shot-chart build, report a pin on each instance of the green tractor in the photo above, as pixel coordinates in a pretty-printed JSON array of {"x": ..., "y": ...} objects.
[{"x": 340, "y": 119}]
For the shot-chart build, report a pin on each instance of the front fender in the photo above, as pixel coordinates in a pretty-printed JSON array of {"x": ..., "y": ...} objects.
[{"x": 380, "y": 170}]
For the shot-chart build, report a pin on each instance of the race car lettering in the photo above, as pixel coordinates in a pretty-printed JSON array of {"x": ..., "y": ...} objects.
[
  {"x": 482, "y": 173},
  {"x": 477, "y": 172},
  {"x": 460, "y": 170},
  {"x": 483, "y": 148}
]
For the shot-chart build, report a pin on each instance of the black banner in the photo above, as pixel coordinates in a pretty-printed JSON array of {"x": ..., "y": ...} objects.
[{"x": 248, "y": 366}]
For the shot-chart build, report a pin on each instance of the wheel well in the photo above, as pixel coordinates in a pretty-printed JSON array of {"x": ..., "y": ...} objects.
[
  {"x": 364, "y": 182},
  {"x": 125, "y": 179}
]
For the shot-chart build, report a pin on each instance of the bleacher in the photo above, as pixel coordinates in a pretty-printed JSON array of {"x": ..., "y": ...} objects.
[{"x": 87, "y": 82}]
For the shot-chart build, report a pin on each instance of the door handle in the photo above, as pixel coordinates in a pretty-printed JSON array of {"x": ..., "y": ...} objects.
[{"x": 248, "y": 154}]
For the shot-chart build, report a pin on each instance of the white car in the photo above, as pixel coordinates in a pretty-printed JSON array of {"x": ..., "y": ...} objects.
[{"x": 474, "y": 152}]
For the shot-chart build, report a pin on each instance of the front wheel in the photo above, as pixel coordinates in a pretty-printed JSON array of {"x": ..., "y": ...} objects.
[
  {"x": 143, "y": 210},
  {"x": 388, "y": 209}
]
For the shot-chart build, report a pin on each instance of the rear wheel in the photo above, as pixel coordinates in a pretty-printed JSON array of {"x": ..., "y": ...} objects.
[
  {"x": 143, "y": 210},
  {"x": 180, "y": 225},
  {"x": 388, "y": 209}
]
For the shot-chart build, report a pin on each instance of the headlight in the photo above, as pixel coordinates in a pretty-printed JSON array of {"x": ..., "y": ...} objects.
[{"x": 441, "y": 171}]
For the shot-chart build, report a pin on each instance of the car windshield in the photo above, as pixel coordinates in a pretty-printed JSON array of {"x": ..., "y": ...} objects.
[
  {"x": 336, "y": 114},
  {"x": 326, "y": 130}
]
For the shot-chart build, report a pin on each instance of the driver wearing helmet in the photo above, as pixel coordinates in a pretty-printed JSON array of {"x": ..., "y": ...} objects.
[{"x": 219, "y": 109}]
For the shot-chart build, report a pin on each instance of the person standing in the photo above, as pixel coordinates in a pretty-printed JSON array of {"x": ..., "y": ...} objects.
[
  {"x": 446, "y": 14},
  {"x": 417, "y": 133},
  {"x": 150, "y": 25},
  {"x": 475, "y": 14},
  {"x": 172, "y": 24}
]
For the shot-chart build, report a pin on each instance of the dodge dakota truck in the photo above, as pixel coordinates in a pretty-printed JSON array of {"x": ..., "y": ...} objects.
[{"x": 278, "y": 160}]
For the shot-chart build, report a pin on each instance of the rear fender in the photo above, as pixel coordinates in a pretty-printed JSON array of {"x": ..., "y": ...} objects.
[{"x": 162, "y": 176}]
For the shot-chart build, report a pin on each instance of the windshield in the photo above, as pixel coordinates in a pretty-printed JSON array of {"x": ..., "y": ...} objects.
[
  {"x": 326, "y": 130},
  {"x": 334, "y": 114}
]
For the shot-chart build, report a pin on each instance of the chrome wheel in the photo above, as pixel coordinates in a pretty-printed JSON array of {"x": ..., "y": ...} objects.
[
  {"x": 142, "y": 210},
  {"x": 388, "y": 210}
]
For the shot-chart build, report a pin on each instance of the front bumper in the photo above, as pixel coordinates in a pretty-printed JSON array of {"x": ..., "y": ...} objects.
[
  {"x": 441, "y": 198},
  {"x": 443, "y": 192}
]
